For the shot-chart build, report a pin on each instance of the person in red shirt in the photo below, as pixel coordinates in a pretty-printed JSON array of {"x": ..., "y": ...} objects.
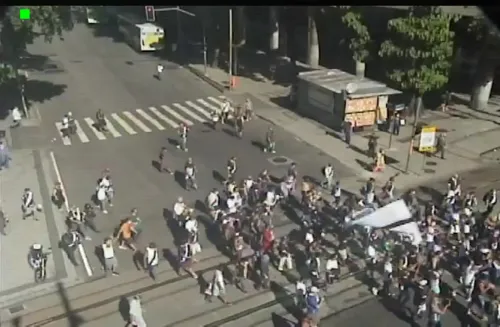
[{"x": 267, "y": 239}]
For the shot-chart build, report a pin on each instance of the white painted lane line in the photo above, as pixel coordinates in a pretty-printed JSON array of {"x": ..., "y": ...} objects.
[
  {"x": 199, "y": 109},
  {"x": 81, "y": 249},
  {"x": 217, "y": 101},
  {"x": 150, "y": 119},
  {"x": 137, "y": 122},
  {"x": 188, "y": 112},
  {"x": 123, "y": 124},
  {"x": 81, "y": 134},
  {"x": 100, "y": 136},
  {"x": 65, "y": 140},
  {"x": 209, "y": 105},
  {"x": 163, "y": 117},
  {"x": 177, "y": 116},
  {"x": 112, "y": 130}
]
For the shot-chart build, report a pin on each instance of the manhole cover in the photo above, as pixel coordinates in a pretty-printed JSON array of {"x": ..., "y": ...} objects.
[{"x": 280, "y": 160}]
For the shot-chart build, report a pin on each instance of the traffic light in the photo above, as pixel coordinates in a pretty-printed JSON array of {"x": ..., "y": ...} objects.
[{"x": 150, "y": 13}]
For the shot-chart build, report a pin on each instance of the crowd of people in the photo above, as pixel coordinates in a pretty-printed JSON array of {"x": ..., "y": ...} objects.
[{"x": 457, "y": 237}]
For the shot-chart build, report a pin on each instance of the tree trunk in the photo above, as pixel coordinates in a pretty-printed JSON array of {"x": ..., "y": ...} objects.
[
  {"x": 482, "y": 87},
  {"x": 313, "y": 46},
  {"x": 274, "y": 35},
  {"x": 360, "y": 69}
]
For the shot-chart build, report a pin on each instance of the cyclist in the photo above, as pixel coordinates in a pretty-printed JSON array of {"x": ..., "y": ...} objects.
[{"x": 38, "y": 260}]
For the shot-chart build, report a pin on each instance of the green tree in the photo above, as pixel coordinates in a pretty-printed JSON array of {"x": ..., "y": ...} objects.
[
  {"x": 420, "y": 50},
  {"x": 359, "y": 39},
  {"x": 16, "y": 34},
  {"x": 485, "y": 38}
]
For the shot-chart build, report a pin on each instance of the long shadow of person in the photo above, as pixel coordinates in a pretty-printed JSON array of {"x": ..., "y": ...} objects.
[{"x": 124, "y": 309}]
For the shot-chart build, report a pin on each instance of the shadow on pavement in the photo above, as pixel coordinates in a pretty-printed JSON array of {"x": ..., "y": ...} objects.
[
  {"x": 124, "y": 309},
  {"x": 107, "y": 31},
  {"x": 41, "y": 91}
]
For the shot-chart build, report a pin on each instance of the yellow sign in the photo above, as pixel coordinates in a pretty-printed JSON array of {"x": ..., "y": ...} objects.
[{"x": 428, "y": 139}]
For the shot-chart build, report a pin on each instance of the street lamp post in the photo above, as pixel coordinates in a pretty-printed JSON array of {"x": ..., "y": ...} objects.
[
  {"x": 204, "y": 47},
  {"x": 230, "y": 69}
]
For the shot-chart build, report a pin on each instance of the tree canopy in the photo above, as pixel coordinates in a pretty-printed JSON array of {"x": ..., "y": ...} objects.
[
  {"x": 360, "y": 39},
  {"x": 16, "y": 34},
  {"x": 420, "y": 49}
]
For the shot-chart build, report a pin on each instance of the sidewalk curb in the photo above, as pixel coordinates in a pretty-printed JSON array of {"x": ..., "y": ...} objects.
[{"x": 216, "y": 85}]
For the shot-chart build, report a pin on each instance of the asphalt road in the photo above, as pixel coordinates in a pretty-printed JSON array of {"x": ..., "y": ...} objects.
[
  {"x": 99, "y": 72},
  {"x": 93, "y": 68}
]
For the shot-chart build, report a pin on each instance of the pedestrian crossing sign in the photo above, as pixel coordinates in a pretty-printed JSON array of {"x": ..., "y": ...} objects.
[{"x": 427, "y": 139}]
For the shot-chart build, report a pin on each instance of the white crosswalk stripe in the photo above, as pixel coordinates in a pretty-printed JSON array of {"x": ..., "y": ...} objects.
[
  {"x": 137, "y": 122},
  {"x": 66, "y": 140},
  {"x": 209, "y": 105},
  {"x": 199, "y": 109},
  {"x": 100, "y": 136},
  {"x": 177, "y": 116},
  {"x": 80, "y": 133},
  {"x": 112, "y": 130},
  {"x": 163, "y": 117},
  {"x": 150, "y": 119},
  {"x": 123, "y": 124},
  {"x": 216, "y": 101},
  {"x": 189, "y": 113}
]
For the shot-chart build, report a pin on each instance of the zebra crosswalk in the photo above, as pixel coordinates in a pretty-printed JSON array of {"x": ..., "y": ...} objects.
[{"x": 144, "y": 120}]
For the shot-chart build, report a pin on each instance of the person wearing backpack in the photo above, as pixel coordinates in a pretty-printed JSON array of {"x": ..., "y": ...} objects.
[{"x": 151, "y": 259}]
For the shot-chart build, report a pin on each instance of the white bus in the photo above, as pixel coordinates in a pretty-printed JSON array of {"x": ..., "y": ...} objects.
[{"x": 140, "y": 36}]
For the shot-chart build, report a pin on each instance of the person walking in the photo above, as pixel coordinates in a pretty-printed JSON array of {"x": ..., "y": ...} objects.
[
  {"x": 28, "y": 204},
  {"x": 347, "y": 128},
  {"x": 58, "y": 197},
  {"x": 216, "y": 287},
  {"x": 16, "y": 117},
  {"x": 151, "y": 259},
  {"x": 69, "y": 243},
  {"x": 110, "y": 262},
  {"x": 163, "y": 161},
  {"x": 136, "y": 318},
  {"x": 441, "y": 144},
  {"x": 159, "y": 71}
]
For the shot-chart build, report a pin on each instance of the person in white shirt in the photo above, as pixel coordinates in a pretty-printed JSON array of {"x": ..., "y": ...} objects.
[
  {"x": 101, "y": 198},
  {"x": 213, "y": 202},
  {"x": 16, "y": 117},
  {"x": 332, "y": 269},
  {"x": 179, "y": 208},
  {"x": 328, "y": 173},
  {"x": 159, "y": 70},
  {"x": 151, "y": 259},
  {"x": 270, "y": 201},
  {"x": 468, "y": 279},
  {"x": 110, "y": 262},
  {"x": 300, "y": 292},
  {"x": 231, "y": 204},
  {"x": 136, "y": 312}
]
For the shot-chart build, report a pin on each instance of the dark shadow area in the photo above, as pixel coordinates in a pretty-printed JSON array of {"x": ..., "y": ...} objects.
[
  {"x": 41, "y": 91},
  {"x": 74, "y": 320},
  {"x": 178, "y": 233},
  {"x": 173, "y": 142},
  {"x": 179, "y": 178},
  {"x": 279, "y": 321},
  {"x": 229, "y": 132},
  {"x": 138, "y": 260},
  {"x": 365, "y": 165},
  {"x": 99, "y": 253},
  {"x": 107, "y": 31},
  {"x": 124, "y": 309},
  {"x": 218, "y": 176},
  {"x": 172, "y": 259},
  {"x": 259, "y": 145},
  {"x": 156, "y": 165},
  {"x": 286, "y": 300}
]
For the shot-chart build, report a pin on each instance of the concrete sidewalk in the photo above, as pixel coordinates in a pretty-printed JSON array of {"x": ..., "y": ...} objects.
[
  {"x": 29, "y": 168},
  {"x": 421, "y": 168}
]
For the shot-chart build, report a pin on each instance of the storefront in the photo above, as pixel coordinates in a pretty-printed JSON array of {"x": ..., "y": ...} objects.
[{"x": 331, "y": 96}]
